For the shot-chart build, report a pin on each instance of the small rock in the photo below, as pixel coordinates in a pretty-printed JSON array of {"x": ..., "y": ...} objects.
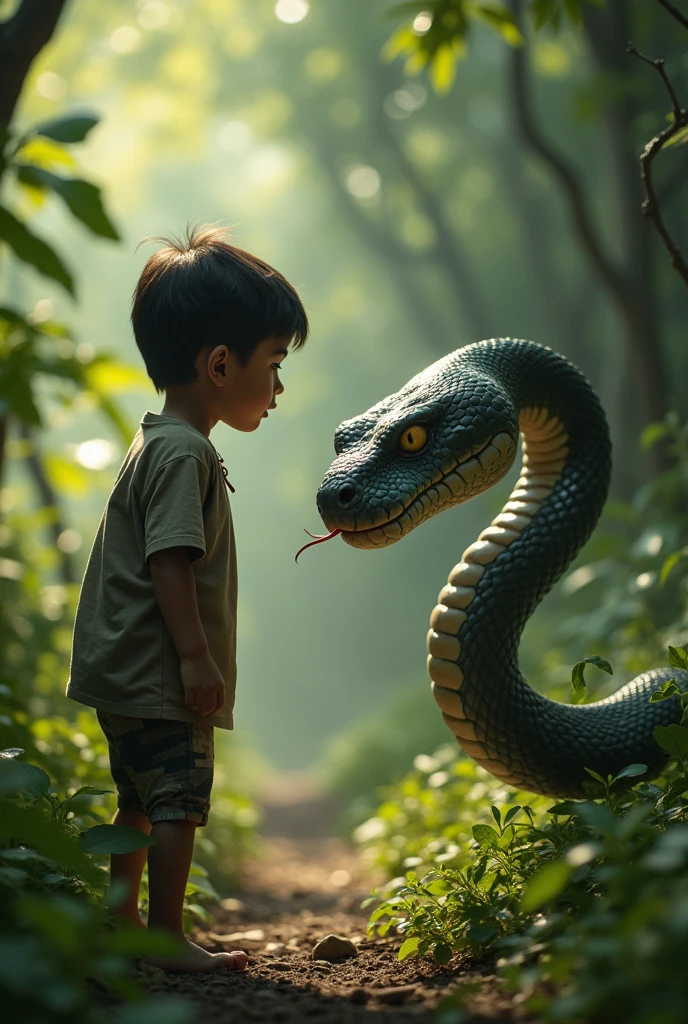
[
  {"x": 334, "y": 947},
  {"x": 232, "y": 905},
  {"x": 274, "y": 948}
]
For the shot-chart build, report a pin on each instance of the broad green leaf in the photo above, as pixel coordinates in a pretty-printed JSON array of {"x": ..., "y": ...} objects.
[
  {"x": 673, "y": 739},
  {"x": 73, "y": 128},
  {"x": 497, "y": 816},
  {"x": 652, "y": 434},
  {"x": 67, "y": 477},
  {"x": 30, "y": 826},
  {"x": 82, "y": 197},
  {"x": 545, "y": 885},
  {"x": 678, "y": 658},
  {"x": 511, "y": 813},
  {"x": 18, "y": 777},
  {"x": 33, "y": 250},
  {"x": 666, "y": 690},
  {"x": 486, "y": 835},
  {"x": 103, "y": 839},
  {"x": 596, "y": 776},
  {"x": 409, "y": 947}
]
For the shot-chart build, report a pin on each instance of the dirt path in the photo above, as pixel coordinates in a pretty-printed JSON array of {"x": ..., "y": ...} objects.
[{"x": 301, "y": 891}]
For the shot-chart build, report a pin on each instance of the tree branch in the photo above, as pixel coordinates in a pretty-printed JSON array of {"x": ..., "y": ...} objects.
[
  {"x": 674, "y": 11},
  {"x": 22, "y": 37},
  {"x": 650, "y": 206},
  {"x": 582, "y": 220}
]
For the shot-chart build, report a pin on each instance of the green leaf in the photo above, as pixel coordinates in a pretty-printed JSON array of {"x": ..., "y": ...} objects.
[
  {"x": 673, "y": 739},
  {"x": 497, "y": 816},
  {"x": 18, "y": 777},
  {"x": 631, "y": 771},
  {"x": 442, "y": 953},
  {"x": 678, "y": 658},
  {"x": 679, "y": 138},
  {"x": 545, "y": 885},
  {"x": 90, "y": 791},
  {"x": 73, "y": 128},
  {"x": 567, "y": 807},
  {"x": 103, "y": 839},
  {"x": 29, "y": 825},
  {"x": 652, "y": 434},
  {"x": 666, "y": 690},
  {"x": 670, "y": 563},
  {"x": 486, "y": 835},
  {"x": 596, "y": 776},
  {"x": 578, "y": 679},
  {"x": 511, "y": 813},
  {"x": 409, "y": 947},
  {"x": 82, "y": 198},
  {"x": 33, "y": 250}
]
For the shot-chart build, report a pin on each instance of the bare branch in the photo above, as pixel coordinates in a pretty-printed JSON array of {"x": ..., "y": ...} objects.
[
  {"x": 674, "y": 12},
  {"x": 582, "y": 219},
  {"x": 650, "y": 206}
]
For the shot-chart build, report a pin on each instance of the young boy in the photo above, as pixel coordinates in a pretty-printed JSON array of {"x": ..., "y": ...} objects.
[{"x": 155, "y": 633}]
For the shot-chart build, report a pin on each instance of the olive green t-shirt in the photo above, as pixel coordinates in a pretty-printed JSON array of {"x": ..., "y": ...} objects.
[{"x": 169, "y": 492}]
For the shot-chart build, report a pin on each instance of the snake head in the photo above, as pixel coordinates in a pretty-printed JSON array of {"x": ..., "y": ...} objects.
[{"x": 449, "y": 434}]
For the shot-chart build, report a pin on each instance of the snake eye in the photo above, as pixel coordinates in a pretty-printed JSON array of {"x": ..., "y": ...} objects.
[{"x": 413, "y": 439}]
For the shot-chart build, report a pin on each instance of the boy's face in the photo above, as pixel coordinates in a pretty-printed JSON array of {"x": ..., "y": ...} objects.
[{"x": 246, "y": 391}]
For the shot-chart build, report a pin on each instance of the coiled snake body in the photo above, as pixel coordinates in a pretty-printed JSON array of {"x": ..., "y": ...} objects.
[{"x": 449, "y": 434}]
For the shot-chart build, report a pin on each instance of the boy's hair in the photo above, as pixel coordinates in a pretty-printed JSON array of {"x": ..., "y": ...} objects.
[{"x": 200, "y": 290}]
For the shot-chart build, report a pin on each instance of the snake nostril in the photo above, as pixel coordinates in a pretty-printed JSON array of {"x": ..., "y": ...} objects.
[{"x": 347, "y": 494}]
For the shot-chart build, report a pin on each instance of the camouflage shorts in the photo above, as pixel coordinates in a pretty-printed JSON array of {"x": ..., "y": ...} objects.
[{"x": 162, "y": 769}]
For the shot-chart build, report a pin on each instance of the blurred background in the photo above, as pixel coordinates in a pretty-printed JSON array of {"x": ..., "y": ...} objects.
[{"x": 414, "y": 216}]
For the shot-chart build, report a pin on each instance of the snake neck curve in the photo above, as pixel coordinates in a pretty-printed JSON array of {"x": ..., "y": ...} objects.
[{"x": 514, "y": 732}]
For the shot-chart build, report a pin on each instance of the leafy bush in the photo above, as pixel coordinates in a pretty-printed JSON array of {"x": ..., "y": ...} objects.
[{"x": 588, "y": 899}]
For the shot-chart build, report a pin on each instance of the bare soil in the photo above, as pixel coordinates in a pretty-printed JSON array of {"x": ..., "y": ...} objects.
[{"x": 301, "y": 890}]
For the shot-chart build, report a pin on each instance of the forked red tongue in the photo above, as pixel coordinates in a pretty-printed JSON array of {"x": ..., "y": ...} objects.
[{"x": 316, "y": 540}]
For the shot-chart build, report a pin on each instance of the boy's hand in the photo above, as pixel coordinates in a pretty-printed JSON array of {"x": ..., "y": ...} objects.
[{"x": 204, "y": 687}]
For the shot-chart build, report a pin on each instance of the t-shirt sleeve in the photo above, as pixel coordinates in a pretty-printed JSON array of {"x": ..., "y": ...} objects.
[{"x": 173, "y": 513}]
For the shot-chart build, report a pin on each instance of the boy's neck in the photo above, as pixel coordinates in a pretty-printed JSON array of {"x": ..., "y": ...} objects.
[{"x": 189, "y": 407}]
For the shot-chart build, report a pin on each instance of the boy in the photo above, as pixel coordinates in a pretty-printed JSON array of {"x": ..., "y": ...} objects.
[{"x": 154, "y": 638}]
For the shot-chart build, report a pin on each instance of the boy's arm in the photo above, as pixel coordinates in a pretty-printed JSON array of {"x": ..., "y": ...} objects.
[{"x": 175, "y": 591}]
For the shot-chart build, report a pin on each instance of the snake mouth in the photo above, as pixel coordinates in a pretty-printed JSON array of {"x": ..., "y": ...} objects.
[{"x": 478, "y": 472}]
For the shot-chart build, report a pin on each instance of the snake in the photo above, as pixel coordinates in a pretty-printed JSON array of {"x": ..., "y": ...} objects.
[{"x": 450, "y": 433}]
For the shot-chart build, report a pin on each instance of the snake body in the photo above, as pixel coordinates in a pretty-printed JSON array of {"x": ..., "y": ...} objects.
[{"x": 449, "y": 434}]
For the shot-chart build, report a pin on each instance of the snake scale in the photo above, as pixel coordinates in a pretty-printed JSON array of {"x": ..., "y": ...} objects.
[{"x": 450, "y": 433}]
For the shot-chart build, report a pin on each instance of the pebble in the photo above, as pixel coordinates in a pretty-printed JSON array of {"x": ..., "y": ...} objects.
[{"x": 334, "y": 947}]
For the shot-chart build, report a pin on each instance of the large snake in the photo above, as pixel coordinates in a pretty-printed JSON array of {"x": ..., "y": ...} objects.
[{"x": 449, "y": 434}]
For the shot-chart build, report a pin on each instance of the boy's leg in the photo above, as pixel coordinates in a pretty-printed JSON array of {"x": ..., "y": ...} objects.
[
  {"x": 128, "y": 867},
  {"x": 169, "y": 861}
]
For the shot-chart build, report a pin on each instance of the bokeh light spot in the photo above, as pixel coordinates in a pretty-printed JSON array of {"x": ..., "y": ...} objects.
[
  {"x": 291, "y": 11},
  {"x": 154, "y": 15},
  {"x": 363, "y": 181},
  {"x": 96, "y": 453},
  {"x": 234, "y": 136},
  {"x": 422, "y": 23},
  {"x": 51, "y": 86},
  {"x": 125, "y": 39}
]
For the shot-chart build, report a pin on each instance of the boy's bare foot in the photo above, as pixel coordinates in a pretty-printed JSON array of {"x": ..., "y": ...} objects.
[{"x": 195, "y": 959}]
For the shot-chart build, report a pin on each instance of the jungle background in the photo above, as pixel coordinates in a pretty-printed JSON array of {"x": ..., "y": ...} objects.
[{"x": 497, "y": 195}]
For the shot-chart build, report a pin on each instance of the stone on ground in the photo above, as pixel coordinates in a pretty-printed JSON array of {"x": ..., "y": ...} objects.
[{"x": 334, "y": 947}]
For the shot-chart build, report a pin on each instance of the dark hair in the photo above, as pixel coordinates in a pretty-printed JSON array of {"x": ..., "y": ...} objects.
[{"x": 200, "y": 290}]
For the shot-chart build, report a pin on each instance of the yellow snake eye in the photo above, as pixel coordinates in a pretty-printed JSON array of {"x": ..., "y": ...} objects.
[{"x": 413, "y": 439}]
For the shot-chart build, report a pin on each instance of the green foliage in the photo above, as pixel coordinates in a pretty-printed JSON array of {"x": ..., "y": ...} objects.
[
  {"x": 81, "y": 197},
  {"x": 578, "y": 898},
  {"x": 437, "y": 35},
  {"x": 578, "y": 686}
]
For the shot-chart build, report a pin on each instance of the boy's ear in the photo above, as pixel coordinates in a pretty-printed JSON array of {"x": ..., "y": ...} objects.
[{"x": 218, "y": 360}]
